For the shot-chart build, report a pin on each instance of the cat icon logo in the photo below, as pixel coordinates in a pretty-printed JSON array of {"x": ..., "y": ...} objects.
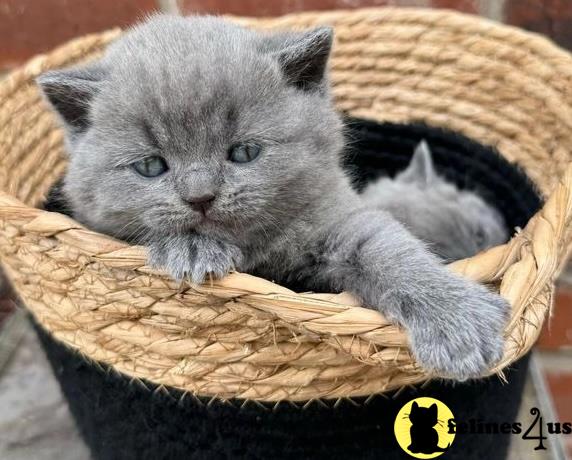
[{"x": 421, "y": 428}]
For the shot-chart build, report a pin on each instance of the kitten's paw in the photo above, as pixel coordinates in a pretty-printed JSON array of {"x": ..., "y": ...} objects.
[
  {"x": 194, "y": 257},
  {"x": 465, "y": 341}
]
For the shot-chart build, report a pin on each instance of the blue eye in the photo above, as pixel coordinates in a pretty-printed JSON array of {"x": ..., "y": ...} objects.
[
  {"x": 244, "y": 153},
  {"x": 150, "y": 166}
]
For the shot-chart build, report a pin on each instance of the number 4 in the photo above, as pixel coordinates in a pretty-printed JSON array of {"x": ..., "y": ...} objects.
[{"x": 540, "y": 437}]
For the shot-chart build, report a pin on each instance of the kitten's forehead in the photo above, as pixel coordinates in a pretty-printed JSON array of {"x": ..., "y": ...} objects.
[
  {"x": 200, "y": 53},
  {"x": 191, "y": 68}
]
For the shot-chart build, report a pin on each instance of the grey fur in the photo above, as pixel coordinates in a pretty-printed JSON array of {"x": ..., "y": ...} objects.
[
  {"x": 189, "y": 88},
  {"x": 454, "y": 223}
]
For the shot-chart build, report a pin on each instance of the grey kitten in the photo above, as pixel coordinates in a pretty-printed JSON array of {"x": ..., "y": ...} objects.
[
  {"x": 219, "y": 147},
  {"x": 454, "y": 223}
]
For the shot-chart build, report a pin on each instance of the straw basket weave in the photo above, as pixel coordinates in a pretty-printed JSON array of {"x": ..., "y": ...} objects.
[{"x": 246, "y": 337}]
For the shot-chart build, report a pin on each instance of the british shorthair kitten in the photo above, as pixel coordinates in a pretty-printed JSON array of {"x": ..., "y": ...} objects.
[
  {"x": 218, "y": 148},
  {"x": 454, "y": 223}
]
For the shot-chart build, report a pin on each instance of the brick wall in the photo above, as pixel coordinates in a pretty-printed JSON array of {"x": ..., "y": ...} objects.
[{"x": 28, "y": 27}]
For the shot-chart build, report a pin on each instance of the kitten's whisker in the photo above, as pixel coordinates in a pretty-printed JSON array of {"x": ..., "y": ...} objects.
[{"x": 133, "y": 222}]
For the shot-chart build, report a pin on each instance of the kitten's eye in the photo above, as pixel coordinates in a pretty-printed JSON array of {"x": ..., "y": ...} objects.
[
  {"x": 150, "y": 166},
  {"x": 244, "y": 153}
]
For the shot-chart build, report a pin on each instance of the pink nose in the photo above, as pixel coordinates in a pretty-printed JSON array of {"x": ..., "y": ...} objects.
[{"x": 201, "y": 203}]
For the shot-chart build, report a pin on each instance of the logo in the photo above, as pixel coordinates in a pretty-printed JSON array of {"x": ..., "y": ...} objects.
[
  {"x": 536, "y": 430},
  {"x": 421, "y": 428}
]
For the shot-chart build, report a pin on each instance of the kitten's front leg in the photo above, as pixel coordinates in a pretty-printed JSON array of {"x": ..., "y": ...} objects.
[
  {"x": 194, "y": 256},
  {"x": 455, "y": 325}
]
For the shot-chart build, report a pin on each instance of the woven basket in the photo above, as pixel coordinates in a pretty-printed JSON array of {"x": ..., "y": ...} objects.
[{"x": 246, "y": 337}]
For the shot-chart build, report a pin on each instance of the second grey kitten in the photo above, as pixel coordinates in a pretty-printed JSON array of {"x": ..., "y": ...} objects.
[
  {"x": 454, "y": 223},
  {"x": 218, "y": 148}
]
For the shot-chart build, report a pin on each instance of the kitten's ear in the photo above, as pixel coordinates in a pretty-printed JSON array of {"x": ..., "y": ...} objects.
[
  {"x": 421, "y": 169},
  {"x": 415, "y": 406},
  {"x": 304, "y": 57},
  {"x": 70, "y": 92}
]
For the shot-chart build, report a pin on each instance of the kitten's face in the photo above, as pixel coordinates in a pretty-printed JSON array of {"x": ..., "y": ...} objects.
[{"x": 199, "y": 125}]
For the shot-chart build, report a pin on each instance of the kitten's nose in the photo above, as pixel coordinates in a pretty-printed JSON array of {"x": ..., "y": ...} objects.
[{"x": 201, "y": 203}]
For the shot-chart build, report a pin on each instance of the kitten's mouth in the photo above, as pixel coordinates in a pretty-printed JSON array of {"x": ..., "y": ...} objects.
[
  {"x": 205, "y": 215},
  {"x": 204, "y": 218}
]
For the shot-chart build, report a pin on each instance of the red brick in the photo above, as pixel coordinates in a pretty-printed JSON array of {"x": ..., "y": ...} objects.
[
  {"x": 528, "y": 14},
  {"x": 560, "y": 387},
  {"x": 28, "y": 27},
  {"x": 466, "y": 6},
  {"x": 549, "y": 17},
  {"x": 7, "y": 306},
  {"x": 558, "y": 329},
  {"x": 278, "y": 7}
]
